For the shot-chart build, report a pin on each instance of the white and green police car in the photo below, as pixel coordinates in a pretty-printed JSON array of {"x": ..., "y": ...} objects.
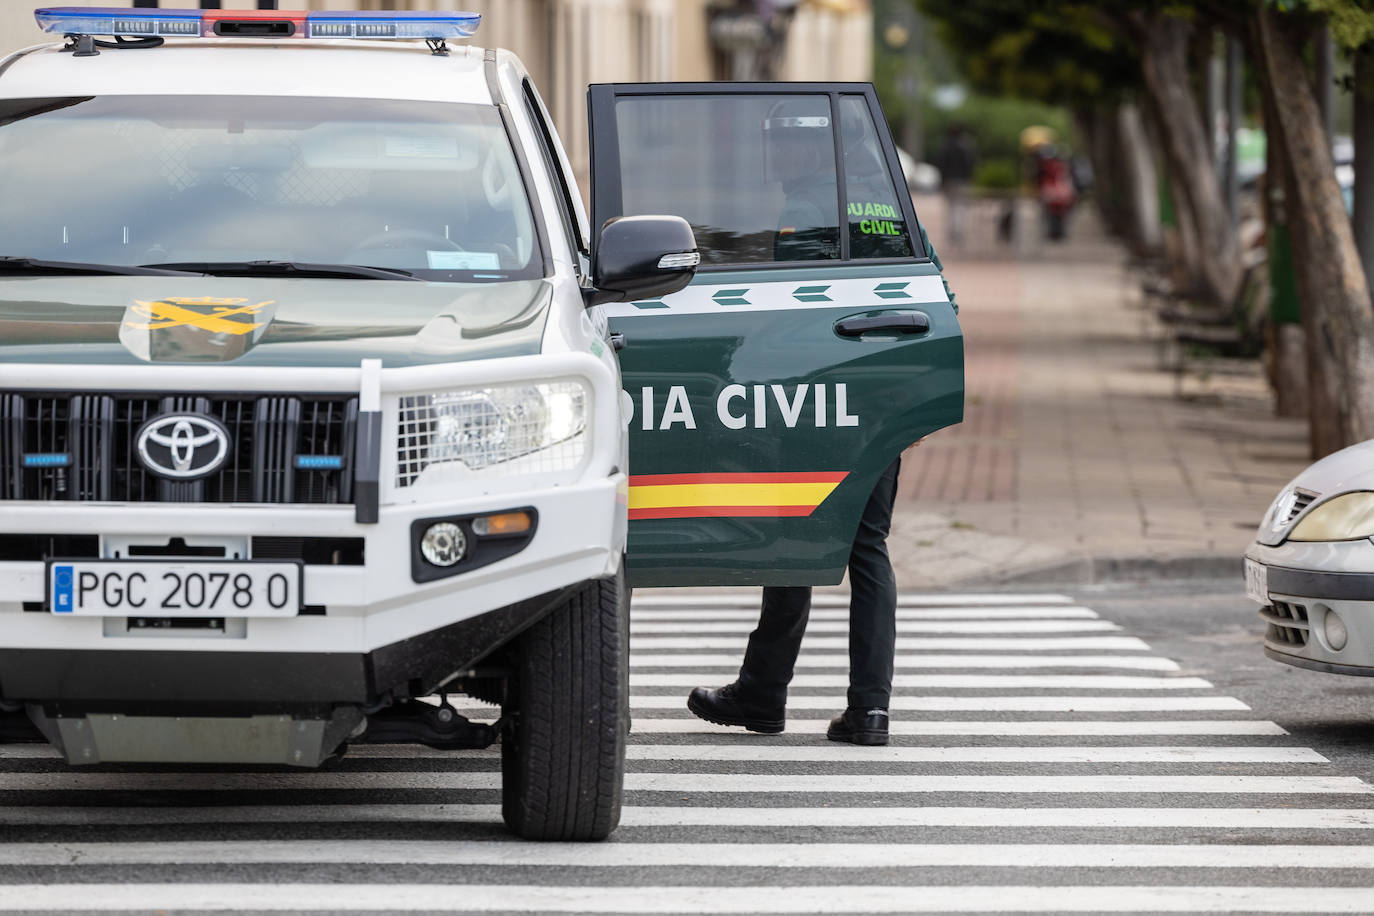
[{"x": 319, "y": 397}]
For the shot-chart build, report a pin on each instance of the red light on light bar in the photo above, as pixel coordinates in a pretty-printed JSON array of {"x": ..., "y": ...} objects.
[{"x": 255, "y": 23}]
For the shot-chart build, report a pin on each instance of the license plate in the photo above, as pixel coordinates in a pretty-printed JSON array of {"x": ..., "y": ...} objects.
[
  {"x": 156, "y": 588},
  {"x": 1256, "y": 582}
]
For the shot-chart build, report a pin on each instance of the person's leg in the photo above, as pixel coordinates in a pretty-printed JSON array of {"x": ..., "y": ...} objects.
[
  {"x": 873, "y": 599},
  {"x": 773, "y": 646}
]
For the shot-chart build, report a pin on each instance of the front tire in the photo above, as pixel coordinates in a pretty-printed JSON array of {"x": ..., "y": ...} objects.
[{"x": 563, "y": 744}]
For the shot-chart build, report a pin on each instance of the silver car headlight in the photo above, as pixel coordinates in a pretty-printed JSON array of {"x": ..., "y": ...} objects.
[
  {"x": 1348, "y": 517},
  {"x": 483, "y": 428}
]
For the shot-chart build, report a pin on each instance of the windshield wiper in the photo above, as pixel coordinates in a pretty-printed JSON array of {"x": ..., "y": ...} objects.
[
  {"x": 20, "y": 265},
  {"x": 288, "y": 269}
]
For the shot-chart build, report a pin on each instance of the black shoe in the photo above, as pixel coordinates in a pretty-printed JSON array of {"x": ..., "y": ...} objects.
[
  {"x": 859, "y": 726},
  {"x": 727, "y": 707}
]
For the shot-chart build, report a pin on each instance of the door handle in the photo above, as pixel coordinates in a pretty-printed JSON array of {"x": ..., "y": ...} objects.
[
  {"x": 617, "y": 341},
  {"x": 903, "y": 323}
]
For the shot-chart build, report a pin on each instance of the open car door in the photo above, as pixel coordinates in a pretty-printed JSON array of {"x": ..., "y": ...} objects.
[{"x": 816, "y": 342}]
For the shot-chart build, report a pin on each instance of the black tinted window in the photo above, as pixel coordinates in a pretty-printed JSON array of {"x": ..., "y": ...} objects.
[
  {"x": 754, "y": 175},
  {"x": 877, "y": 222}
]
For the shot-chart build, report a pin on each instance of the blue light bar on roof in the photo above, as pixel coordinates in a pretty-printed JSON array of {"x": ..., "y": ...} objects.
[
  {"x": 147, "y": 23},
  {"x": 70, "y": 20},
  {"x": 412, "y": 24}
]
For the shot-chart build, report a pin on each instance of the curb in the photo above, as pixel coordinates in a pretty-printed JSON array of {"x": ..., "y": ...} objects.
[{"x": 1097, "y": 570}]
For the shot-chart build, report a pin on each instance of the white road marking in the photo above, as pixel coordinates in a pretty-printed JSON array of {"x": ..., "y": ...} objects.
[
  {"x": 1002, "y": 704},
  {"x": 964, "y": 613},
  {"x": 649, "y": 816},
  {"x": 840, "y": 660},
  {"x": 718, "y": 856},
  {"x": 1002, "y": 754},
  {"x": 908, "y": 626},
  {"x": 712, "y": 783},
  {"x": 750, "y": 599},
  {"x": 829, "y": 753},
  {"x": 1012, "y": 785},
  {"x": 963, "y": 681},
  {"x": 915, "y": 643},
  {"x": 864, "y": 898},
  {"x": 645, "y": 725}
]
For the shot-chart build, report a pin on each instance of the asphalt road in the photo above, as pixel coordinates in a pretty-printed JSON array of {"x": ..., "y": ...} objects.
[{"x": 1124, "y": 749}]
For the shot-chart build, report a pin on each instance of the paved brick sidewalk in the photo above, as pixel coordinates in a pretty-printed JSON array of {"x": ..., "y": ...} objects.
[{"x": 1076, "y": 460}]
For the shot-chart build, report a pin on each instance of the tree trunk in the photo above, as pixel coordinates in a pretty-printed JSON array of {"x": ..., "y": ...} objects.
[
  {"x": 1140, "y": 181},
  {"x": 1177, "y": 237},
  {"x": 1285, "y": 347},
  {"x": 1364, "y": 159},
  {"x": 1164, "y": 61},
  {"x": 1338, "y": 314}
]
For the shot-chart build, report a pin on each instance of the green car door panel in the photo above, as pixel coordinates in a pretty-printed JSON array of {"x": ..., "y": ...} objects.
[
  {"x": 757, "y": 430},
  {"x": 815, "y": 344}
]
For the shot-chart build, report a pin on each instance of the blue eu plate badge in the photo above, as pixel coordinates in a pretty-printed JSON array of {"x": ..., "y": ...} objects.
[{"x": 62, "y": 581}]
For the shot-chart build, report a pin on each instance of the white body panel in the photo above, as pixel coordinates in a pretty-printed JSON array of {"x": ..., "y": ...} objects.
[{"x": 582, "y": 525}]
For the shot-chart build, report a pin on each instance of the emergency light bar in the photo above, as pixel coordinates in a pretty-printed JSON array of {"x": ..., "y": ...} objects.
[{"x": 159, "y": 23}]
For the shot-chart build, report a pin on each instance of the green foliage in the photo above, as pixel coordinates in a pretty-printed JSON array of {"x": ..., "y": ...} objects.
[
  {"x": 1052, "y": 51},
  {"x": 997, "y": 175},
  {"x": 1351, "y": 21},
  {"x": 996, "y": 123}
]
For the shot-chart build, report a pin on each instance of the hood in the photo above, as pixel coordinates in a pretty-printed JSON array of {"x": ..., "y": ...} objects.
[{"x": 266, "y": 322}]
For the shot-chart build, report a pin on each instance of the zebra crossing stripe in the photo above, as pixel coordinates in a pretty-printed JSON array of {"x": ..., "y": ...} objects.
[
  {"x": 1002, "y": 704},
  {"x": 654, "y": 816},
  {"x": 908, "y": 626},
  {"x": 967, "y": 681},
  {"x": 749, "y": 598},
  {"x": 918, "y": 643},
  {"x": 1002, "y": 754},
  {"x": 706, "y": 783},
  {"x": 881, "y": 784},
  {"x": 758, "y": 750},
  {"x": 522, "y": 898},
  {"x": 1012, "y": 728},
  {"x": 991, "y": 613},
  {"x": 721, "y": 856},
  {"x": 839, "y": 660}
]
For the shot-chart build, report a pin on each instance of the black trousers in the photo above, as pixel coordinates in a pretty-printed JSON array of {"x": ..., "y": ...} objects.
[{"x": 775, "y": 642}]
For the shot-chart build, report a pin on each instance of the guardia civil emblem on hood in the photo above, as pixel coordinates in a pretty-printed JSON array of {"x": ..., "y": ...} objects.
[{"x": 181, "y": 329}]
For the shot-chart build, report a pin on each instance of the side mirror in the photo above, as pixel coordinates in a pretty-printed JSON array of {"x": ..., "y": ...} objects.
[{"x": 642, "y": 257}]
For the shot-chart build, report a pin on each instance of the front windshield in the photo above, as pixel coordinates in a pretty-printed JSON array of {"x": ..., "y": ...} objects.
[{"x": 425, "y": 187}]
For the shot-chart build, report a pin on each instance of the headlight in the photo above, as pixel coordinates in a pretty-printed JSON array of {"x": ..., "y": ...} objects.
[
  {"x": 1345, "y": 518},
  {"x": 482, "y": 427}
]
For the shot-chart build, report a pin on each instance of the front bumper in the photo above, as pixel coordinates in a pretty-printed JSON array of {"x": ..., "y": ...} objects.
[
  {"x": 307, "y": 684},
  {"x": 1308, "y": 582}
]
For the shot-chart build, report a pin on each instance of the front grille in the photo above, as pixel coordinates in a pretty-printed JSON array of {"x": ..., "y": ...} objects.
[
  {"x": 283, "y": 449},
  {"x": 1288, "y": 624}
]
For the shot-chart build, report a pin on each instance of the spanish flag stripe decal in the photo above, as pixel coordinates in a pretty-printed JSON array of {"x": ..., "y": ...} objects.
[
  {"x": 651, "y": 480},
  {"x": 727, "y": 495},
  {"x": 723, "y": 512}
]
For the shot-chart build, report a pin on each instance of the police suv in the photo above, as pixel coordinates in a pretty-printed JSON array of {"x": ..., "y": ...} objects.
[{"x": 320, "y": 399}]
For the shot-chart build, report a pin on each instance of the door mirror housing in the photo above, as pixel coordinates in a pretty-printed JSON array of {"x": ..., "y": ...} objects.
[{"x": 642, "y": 257}]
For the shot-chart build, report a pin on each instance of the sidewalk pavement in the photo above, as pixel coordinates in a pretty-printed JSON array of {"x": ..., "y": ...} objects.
[{"x": 1076, "y": 462}]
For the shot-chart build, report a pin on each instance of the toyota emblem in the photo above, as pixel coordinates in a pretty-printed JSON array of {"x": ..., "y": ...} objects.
[{"x": 183, "y": 445}]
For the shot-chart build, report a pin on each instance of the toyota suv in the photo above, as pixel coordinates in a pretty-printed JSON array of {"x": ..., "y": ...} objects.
[{"x": 322, "y": 399}]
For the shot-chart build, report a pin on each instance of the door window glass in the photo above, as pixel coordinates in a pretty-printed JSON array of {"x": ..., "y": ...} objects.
[
  {"x": 877, "y": 221},
  {"x": 754, "y": 175}
]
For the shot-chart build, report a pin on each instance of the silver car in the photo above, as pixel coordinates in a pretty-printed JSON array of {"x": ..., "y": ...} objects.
[{"x": 1312, "y": 566}]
